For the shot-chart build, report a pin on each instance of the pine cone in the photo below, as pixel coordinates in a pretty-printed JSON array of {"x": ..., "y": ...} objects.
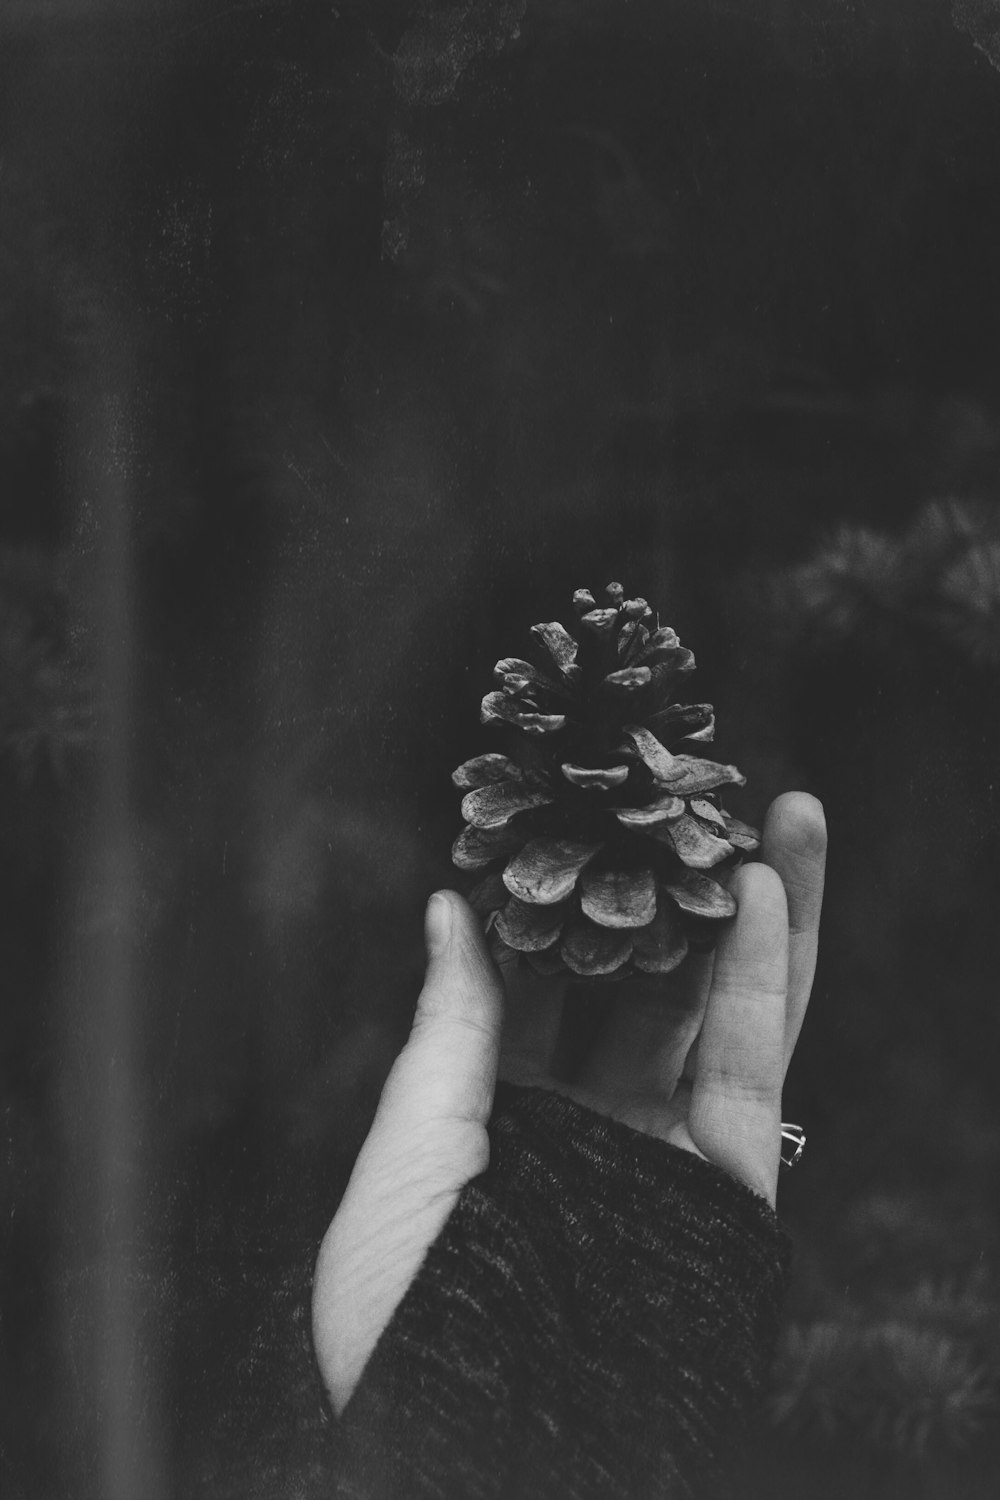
[{"x": 591, "y": 837}]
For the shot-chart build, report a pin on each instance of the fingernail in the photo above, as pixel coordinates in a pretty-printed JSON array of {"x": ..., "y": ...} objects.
[{"x": 437, "y": 924}]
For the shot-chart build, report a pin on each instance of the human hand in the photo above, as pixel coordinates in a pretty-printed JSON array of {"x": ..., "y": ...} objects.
[{"x": 697, "y": 1059}]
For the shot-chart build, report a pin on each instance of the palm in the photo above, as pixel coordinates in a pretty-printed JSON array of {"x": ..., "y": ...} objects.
[
  {"x": 650, "y": 1113},
  {"x": 634, "y": 1070}
]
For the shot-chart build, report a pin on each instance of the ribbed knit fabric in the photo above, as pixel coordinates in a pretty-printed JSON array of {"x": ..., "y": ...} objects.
[{"x": 595, "y": 1320}]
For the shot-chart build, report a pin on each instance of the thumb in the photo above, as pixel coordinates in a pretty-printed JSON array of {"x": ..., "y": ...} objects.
[
  {"x": 427, "y": 1140},
  {"x": 448, "y": 1068}
]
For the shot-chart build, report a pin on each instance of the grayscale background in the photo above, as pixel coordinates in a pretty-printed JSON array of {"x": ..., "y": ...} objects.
[{"x": 338, "y": 344}]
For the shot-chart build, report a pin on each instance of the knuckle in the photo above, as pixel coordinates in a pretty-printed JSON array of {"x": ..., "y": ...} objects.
[
  {"x": 446, "y": 1020},
  {"x": 746, "y": 1088},
  {"x": 742, "y": 1071}
]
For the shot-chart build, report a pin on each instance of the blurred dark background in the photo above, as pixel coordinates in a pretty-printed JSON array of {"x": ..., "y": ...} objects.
[{"x": 340, "y": 344}]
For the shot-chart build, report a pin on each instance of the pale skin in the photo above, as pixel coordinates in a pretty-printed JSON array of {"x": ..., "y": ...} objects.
[{"x": 697, "y": 1059}]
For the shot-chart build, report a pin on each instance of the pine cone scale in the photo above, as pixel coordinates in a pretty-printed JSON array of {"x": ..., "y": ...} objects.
[
  {"x": 682, "y": 721},
  {"x": 618, "y": 898},
  {"x": 475, "y": 848},
  {"x": 653, "y": 813},
  {"x": 693, "y": 843},
  {"x": 663, "y": 945},
  {"x": 561, "y": 646},
  {"x": 527, "y": 928},
  {"x": 593, "y": 952},
  {"x": 504, "y": 707},
  {"x": 603, "y": 777},
  {"x": 741, "y": 835},
  {"x": 494, "y": 805},
  {"x": 546, "y": 870},
  {"x": 689, "y": 775},
  {"x": 482, "y": 770},
  {"x": 701, "y": 896}
]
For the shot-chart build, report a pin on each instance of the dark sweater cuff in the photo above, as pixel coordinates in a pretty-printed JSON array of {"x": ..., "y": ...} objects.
[{"x": 595, "y": 1319}]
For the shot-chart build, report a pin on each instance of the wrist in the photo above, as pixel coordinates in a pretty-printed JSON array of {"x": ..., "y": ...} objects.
[{"x": 404, "y": 1186}]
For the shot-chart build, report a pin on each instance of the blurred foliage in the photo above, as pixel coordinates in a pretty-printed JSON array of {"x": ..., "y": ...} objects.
[
  {"x": 893, "y": 1335},
  {"x": 893, "y": 1383},
  {"x": 941, "y": 576}
]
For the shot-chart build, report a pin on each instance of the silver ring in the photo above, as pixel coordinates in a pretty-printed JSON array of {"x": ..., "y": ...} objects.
[{"x": 796, "y": 1138}]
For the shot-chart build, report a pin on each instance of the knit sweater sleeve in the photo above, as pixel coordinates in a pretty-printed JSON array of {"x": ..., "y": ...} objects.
[{"x": 595, "y": 1320}]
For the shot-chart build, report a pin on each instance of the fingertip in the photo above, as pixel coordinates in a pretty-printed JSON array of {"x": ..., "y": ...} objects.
[
  {"x": 457, "y": 952},
  {"x": 438, "y": 924},
  {"x": 469, "y": 937},
  {"x": 763, "y": 888},
  {"x": 796, "y": 821},
  {"x": 449, "y": 919}
]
